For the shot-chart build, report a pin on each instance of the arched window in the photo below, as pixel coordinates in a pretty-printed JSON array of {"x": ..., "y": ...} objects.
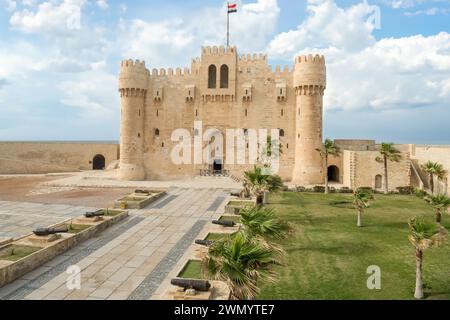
[
  {"x": 378, "y": 181},
  {"x": 281, "y": 133},
  {"x": 224, "y": 76},
  {"x": 157, "y": 132},
  {"x": 212, "y": 74}
]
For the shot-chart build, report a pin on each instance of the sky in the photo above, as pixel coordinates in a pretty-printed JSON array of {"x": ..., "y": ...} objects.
[{"x": 388, "y": 61}]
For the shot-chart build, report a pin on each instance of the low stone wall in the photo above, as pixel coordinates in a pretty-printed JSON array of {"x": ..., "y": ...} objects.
[
  {"x": 48, "y": 157},
  {"x": 12, "y": 270}
]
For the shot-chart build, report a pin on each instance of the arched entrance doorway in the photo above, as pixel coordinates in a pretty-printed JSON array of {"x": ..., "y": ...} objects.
[
  {"x": 378, "y": 181},
  {"x": 217, "y": 166},
  {"x": 98, "y": 163},
  {"x": 333, "y": 174}
]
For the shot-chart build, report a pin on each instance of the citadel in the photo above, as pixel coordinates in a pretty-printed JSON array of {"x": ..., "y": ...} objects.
[{"x": 224, "y": 90}]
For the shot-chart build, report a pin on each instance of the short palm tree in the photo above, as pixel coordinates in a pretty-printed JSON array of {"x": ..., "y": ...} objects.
[
  {"x": 361, "y": 198},
  {"x": 433, "y": 169},
  {"x": 423, "y": 236},
  {"x": 257, "y": 183},
  {"x": 388, "y": 153},
  {"x": 242, "y": 262},
  {"x": 261, "y": 221},
  {"x": 329, "y": 148},
  {"x": 440, "y": 203}
]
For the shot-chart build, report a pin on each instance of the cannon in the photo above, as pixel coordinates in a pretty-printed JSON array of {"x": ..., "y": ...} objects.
[
  {"x": 225, "y": 223},
  {"x": 49, "y": 231},
  {"x": 205, "y": 243},
  {"x": 94, "y": 214},
  {"x": 199, "y": 285}
]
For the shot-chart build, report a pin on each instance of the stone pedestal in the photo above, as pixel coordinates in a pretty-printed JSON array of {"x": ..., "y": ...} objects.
[{"x": 42, "y": 240}]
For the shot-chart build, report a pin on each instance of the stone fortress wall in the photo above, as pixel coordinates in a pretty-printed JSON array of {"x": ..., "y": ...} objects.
[
  {"x": 250, "y": 96},
  {"x": 49, "y": 157}
]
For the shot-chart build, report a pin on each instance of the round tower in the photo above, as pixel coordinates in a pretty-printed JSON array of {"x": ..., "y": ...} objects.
[
  {"x": 133, "y": 84},
  {"x": 309, "y": 84}
]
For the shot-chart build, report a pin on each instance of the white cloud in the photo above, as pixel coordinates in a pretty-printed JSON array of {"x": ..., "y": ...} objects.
[
  {"x": 103, "y": 4},
  {"x": 93, "y": 94},
  {"x": 50, "y": 17},
  {"x": 327, "y": 26},
  {"x": 173, "y": 42},
  {"x": 428, "y": 12},
  {"x": 10, "y": 5},
  {"x": 389, "y": 74}
]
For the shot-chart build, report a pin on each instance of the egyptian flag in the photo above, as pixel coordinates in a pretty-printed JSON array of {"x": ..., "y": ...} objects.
[{"x": 232, "y": 8}]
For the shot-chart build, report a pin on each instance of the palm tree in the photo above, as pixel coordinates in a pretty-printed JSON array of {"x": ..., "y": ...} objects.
[
  {"x": 423, "y": 236},
  {"x": 261, "y": 221},
  {"x": 388, "y": 153},
  {"x": 440, "y": 203},
  {"x": 433, "y": 169},
  {"x": 257, "y": 183},
  {"x": 242, "y": 262},
  {"x": 329, "y": 148},
  {"x": 361, "y": 198}
]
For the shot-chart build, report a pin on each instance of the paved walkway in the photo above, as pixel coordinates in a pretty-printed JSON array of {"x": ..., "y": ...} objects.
[
  {"x": 103, "y": 179},
  {"x": 21, "y": 218},
  {"x": 131, "y": 259}
]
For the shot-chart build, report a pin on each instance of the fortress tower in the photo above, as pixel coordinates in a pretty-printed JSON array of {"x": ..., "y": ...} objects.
[
  {"x": 133, "y": 85},
  {"x": 309, "y": 84}
]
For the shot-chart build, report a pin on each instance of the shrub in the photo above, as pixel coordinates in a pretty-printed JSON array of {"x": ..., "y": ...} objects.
[
  {"x": 405, "y": 190},
  {"x": 300, "y": 189},
  {"x": 345, "y": 190},
  {"x": 319, "y": 189},
  {"x": 420, "y": 193},
  {"x": 369, "y": 189}
]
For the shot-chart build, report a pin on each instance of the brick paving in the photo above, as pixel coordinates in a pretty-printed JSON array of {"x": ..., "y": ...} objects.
[
  {"x": 133, "y": 258},
  {"x": 21, "y": 218}
]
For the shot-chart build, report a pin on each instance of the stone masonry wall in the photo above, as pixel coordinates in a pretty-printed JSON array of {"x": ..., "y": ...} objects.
[{"x": 46, "y": 157}]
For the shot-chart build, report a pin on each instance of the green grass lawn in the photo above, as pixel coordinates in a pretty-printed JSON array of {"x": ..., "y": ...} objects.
[
  {"x": 77, "y": 228},
  {"x": 328, "y": 255},
  {"x": 216, "y": 236},
  {"x": 235, "y": 219},
  {"x": 192, "y": 270},
  {"x": 16, "y": 252}
]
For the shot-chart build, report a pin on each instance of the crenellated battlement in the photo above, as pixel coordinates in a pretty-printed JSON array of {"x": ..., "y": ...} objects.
[
  {"x": 283, "y": 72},
  {"x": 133, "y": 74},
  {"x": 170, "y": 72},
  {"x": 215, "y": 50},
  {"x": 319, "y": 59},
  {"x": 130, "y": 63},
  {"x": 252, "y": 58},
  {"x": 310, "y": 74}
]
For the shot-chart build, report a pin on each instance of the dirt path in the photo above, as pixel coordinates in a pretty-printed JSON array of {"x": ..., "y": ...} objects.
[{"x": 29, "y": 189}]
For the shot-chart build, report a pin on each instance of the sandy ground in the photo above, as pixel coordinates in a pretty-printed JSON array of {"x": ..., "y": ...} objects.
[{"x": 31, "y": 189}]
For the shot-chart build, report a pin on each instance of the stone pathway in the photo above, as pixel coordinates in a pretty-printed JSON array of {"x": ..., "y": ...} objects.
[
  {"x": 130, "y": 260},
  {"x": 21, "y": 218},
  {"x": 108, "y": 179}
]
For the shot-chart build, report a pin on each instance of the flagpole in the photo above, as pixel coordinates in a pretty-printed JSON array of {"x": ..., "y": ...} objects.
[{"x": 228, "y": 25}]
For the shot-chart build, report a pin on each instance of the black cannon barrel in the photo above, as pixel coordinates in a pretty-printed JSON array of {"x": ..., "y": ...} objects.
[
  {"x": 94, "y": 214},
  {"x": 225, "y": 223},
  {"x": 205, "y": 243},
  {"x": 49, "y": 231},
  {"x": 199, "y": 285}
]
